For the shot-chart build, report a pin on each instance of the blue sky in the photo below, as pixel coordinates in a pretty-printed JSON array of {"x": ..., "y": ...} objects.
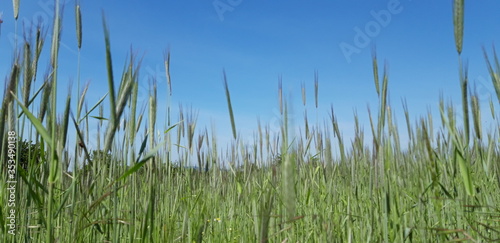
[{"x": 258, "y": 41}]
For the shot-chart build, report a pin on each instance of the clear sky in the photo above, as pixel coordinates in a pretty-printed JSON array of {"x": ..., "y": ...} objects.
[{"x": 258, "y": 41}]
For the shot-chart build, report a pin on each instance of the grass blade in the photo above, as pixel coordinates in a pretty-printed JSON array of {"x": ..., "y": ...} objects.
[
  {"x": 464, "y": 172},
  {"x": 229, "y": 106},
  {"x": 140, "y": 163},
  {"x": 93, "y": 108},
  {"x": 36, "y": 123}
]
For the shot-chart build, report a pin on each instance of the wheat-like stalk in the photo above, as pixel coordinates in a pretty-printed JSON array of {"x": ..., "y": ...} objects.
[
  {"x": 8, "y": 98},
  {"x": 280, "y": 94},
  {"x": 56, "y": 37},
  {"x": 476, "y": 115},
  {"x": 133, "y": 111},
  {"x": 303, "y": 89},
  {"x": 65, "y": 119},
  {"x": 375, "y": 71},
  {"x": 39, "y": 41},
  {"x": 166, "y": 57},
  {"x": 191, "y": 118},
  {"x": 28, "y": 73},
  {"x": 494, "y": 70},
  {"x": 316, "y": 88},
  {"x": 54, "y": 172},
  {"x": 15, "y": 4},
  {"x": 12, "y": 85},
  {"x": 47, "y": 90},
  {"x": 458, "y": 23},
  {"x": 152, "y": 114},
  {"x": 338, "y": 134},
  {"x": 123, "y": 97},
  {"x": 464, "y": 80},
  {"x": 407, "y": 119},
  {"x": 109, "y": 67},
  {"x": 306, "y": 126},
  {"x": 289, "y": 164},
  {"x": 78, "y": 16},
  {"x": 230, "y": 107},
  {"x": 180, "y": 129}
]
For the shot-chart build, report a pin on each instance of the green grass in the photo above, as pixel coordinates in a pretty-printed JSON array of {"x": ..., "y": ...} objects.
[{"x": 312, "y": 186}]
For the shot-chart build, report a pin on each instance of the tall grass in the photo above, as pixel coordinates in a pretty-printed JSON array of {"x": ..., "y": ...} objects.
[{"x": 284, "y": 186}]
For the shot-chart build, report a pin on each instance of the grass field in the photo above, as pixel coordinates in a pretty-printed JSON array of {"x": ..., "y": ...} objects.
[{"x": 313, "y": 186}]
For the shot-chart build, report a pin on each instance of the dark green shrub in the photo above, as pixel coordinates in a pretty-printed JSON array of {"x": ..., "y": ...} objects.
[{"x": 29, "y": 154}]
